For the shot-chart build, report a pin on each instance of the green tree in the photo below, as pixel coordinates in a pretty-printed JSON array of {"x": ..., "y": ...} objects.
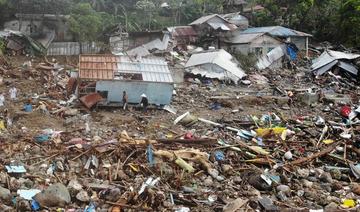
[
  {"x": 85, "y": 22},
  {"x": 350, "y": 23},
  {"x": 148, "y": 7}
]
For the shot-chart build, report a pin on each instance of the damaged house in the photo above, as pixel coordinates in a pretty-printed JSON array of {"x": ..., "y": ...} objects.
[
  {"x": 18, "y": 43},
  {"x": 300, "y": 39},
  {"x": 258, "y": 44},
  {"x": 216, "y": 64},
  {"x": 182, "y": 36},
  {"x": 110, "y": 75},
  {"x": 53, "y": 32},
  {"x": 336, "y": 61},
  {"x": 43, "y": 27},
  {"x": 139, "y": 44},
  {"x": 211, "y": 28}
]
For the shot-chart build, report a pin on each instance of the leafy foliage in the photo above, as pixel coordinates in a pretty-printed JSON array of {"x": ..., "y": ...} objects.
[
  {"x": 332, "y": 20},
  {"x": 350, "y": 22},
  {"x": 85, "y": 22}
]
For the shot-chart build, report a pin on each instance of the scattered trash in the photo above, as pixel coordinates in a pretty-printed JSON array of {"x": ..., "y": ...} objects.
[
  {"x": 15, "y": 169},
  {"x": 28, "y": 194}
]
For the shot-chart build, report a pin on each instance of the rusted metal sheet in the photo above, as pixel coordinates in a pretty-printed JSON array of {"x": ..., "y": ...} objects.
[
  {"x": 91, "y": 99},
  {"x": 71, "y": 86},
  {"x": 97, "y": 67}
]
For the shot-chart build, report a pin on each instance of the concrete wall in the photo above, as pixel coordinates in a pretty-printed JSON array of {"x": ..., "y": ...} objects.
[
  {"x": 29, "y": 28},
  {"x": 37, "y": 28},
  {"x": 157, "y": 93},
  {"x": 177, "y": 75}
]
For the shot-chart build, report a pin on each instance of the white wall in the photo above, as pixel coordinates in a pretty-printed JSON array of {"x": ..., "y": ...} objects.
[{"x": 265, "y": 42}]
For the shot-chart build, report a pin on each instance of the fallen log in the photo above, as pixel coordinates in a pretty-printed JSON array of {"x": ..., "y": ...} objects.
[
  {"x": 194, "y": 141},
  {"x": 313, "y": 156}
]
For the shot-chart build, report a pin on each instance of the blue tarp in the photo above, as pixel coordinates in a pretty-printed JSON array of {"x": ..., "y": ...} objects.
[{"x": 292, "y": 50}]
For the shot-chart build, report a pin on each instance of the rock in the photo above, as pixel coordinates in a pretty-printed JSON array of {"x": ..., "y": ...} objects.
[
  {"x": 326, "y": 186},
  {"x": 257, "y": 182},
  {"x": 336, "y": 186},
  {"x": 83, "y": 196},
  {"x": 5, "y": 194},
  {"x": 56, "y": 195},
  {"x": 331, "y": 207},
  {"x": 318, "y": 172},
  {"x": 23, "y": 205},
  {"x": 288, "y": 155},
  {"x": 114, "y": 195},
  {"x": 215, "y": 174},
  {"x": 234, "y": 205},
  {"x": 121, "y": 175},
  {"x": 303, "y": 173},
  {"x": 336, "y": 174},
  {"x": 237, "y": 179},
  {"x": 226, "y": 168},
  {"x": 321, "y": 199},
  {"x": 307, "y": 183},
  {"x": 3, "y": 178},
  {"x": 356, "y": 189},
  {"x": 283, "y": 188},
  {"x": 326, "y": 177},
  {"x": 267, "y": 204},
  {"x": 312, "y": 179},
  {"x": 74, "y": 184},
  {"x": 300, "y": 193},
  {"x": 208, "y": 181},
  {"x": 282, "y": 196}
]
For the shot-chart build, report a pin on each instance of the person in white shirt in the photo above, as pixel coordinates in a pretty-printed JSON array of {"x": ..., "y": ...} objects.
[
  {"x": 13, "y": 92},
  {"x": 2, "y": 100}
]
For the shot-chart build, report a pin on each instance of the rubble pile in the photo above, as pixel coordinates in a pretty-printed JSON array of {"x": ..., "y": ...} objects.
[{"x": 279, "y": 143}]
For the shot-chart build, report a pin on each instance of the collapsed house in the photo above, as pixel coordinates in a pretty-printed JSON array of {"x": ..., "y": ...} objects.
[
  {"x": 45, "y": 28},
  {"x": 110, "y": 75},
  {"x": 53, "y": 32},
  {"x": 138, "y": 43},
  {"x": 182, "y": 36},
  {"x": 330, "y": 60},
  {"x": 217, "y": 64},
  {"x": 277, "y": 56},
  {"x": 17, "y": 43},
  {"x": 147, "y": 48}
]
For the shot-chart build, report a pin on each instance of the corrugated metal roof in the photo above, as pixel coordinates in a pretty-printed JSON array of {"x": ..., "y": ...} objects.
[
  {"x": 105, "y": 67},
  {"x": 97, "y": 66},
  {"x": 204, "y": 19},
  {"x": 279, "y": 31},
  {"x": 72, "y": 48},
  {"x": 152, "y": 69},
  {"x": 220, "y": 58},
  {"x": 329, "y": 58},
  {"x": 224, "y": 25}
]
